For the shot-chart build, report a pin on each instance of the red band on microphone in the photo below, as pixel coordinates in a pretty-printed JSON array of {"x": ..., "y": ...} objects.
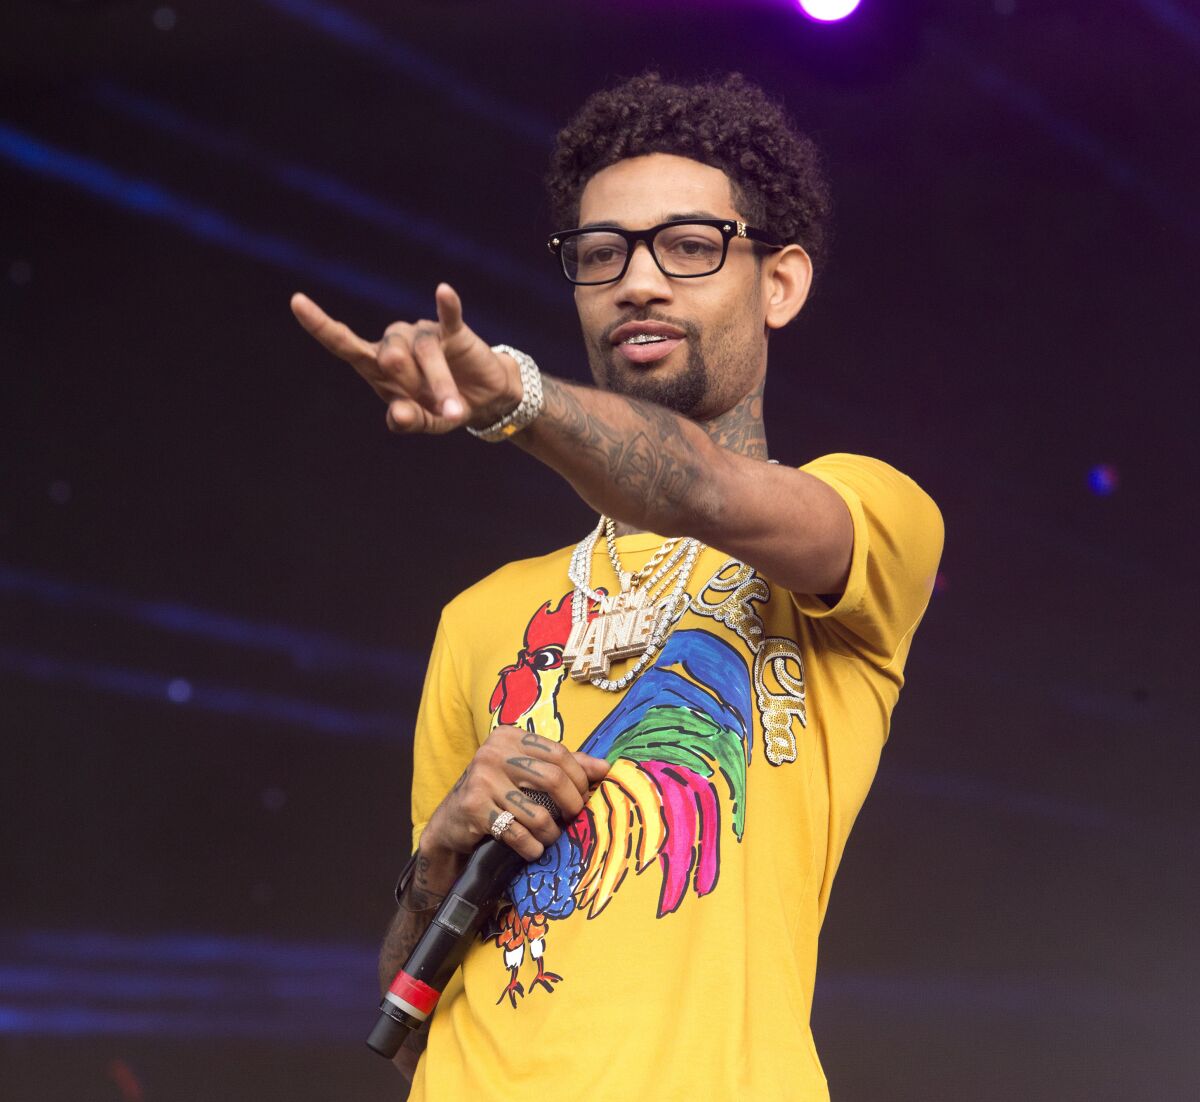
[{"x": 419, "y": 994}]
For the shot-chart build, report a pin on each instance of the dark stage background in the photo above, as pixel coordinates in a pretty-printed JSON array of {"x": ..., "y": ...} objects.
[{"x": 219, "y": 575}]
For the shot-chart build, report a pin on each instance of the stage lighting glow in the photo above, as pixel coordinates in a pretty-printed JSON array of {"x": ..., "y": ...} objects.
[
  {"x": 1103, "y": 479},
  {"x": 827, "y": 11}
]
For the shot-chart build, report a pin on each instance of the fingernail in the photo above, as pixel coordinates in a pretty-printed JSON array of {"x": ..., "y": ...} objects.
[{"x": 452, "y": 408}]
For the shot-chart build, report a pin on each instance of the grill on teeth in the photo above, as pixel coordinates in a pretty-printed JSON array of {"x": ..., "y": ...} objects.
[{"x": 643, "y": 338}]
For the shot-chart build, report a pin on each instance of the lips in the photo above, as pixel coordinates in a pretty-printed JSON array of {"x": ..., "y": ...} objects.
[
  {"x": 650, "y": 352},
  {"x": 646, "y": 341}
]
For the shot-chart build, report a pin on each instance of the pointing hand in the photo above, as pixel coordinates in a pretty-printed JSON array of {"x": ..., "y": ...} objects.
[{"x": 434, "y": 375}]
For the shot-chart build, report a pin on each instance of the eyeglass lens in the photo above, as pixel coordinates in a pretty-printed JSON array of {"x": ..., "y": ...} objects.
[{"x": 683, "y": 250}]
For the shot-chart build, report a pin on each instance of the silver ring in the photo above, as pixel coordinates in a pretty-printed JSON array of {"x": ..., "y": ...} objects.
[{"x": 502, "y": 823}]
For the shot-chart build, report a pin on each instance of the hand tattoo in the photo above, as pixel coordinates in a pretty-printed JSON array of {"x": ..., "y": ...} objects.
[
  {"x": 525, "y": 765},
  {"x": 518, "y": 799}
]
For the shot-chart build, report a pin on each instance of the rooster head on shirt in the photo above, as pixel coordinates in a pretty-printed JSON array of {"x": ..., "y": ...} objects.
[{"x": 526, "y": 694}]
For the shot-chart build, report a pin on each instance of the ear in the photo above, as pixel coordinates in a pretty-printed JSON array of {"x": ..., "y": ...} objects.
[{"x": 787, "y": 276}]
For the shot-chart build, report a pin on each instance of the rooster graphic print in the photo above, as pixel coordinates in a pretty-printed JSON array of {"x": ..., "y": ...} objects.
[{"x": 679, "y": 742}]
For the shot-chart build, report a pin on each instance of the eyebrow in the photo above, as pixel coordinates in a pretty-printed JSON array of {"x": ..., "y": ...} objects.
[{"x": 604, "y": 224}]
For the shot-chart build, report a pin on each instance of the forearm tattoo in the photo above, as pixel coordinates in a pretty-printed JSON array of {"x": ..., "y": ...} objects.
[
  {"x": 417, "y": 906},
  {"x": 419, "y": 896},
  {"x": 648, "y": 457}
]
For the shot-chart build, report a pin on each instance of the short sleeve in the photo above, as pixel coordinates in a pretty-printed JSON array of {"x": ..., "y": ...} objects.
[
  {"x": 898, "y": 536},
  {"x": 445, "y": 740}
]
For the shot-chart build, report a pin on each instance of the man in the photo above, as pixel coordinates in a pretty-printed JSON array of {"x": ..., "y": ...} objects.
[{"x": 706, "y": 710}]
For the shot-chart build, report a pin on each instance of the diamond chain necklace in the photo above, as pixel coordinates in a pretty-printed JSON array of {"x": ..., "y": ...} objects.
[
  {"x": 634, "y": 580},
  {"x": 635, "y": 622}
]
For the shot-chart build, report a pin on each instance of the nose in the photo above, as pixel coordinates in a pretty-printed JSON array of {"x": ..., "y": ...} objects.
[{"x": 643, "y": 282}]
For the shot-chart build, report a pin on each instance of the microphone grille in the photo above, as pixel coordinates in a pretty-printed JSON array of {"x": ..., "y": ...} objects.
[{"x": 545, "y": 801}]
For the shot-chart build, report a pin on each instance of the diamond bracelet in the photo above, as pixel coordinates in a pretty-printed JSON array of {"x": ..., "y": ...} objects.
[{"x": 529, "y": 406}]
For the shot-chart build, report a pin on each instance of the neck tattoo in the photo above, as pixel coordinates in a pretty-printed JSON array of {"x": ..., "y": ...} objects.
[{"x": 741, "y": 429}]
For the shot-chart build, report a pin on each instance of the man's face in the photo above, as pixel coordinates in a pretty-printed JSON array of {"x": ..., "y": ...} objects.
[{"x": 716, "y": 349}]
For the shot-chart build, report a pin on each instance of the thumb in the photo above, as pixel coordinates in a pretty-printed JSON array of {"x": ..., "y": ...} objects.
[
  {"x": 595, "y": 768},
  {"x": 449, "y": 310}
]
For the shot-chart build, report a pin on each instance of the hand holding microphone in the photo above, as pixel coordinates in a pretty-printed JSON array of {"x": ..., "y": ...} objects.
[
  {"x": 503, "y": 811},
  {"x": 512, "y": 759}
]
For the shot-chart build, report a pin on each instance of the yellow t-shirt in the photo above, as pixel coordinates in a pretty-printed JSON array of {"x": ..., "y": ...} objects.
[{"x": 666, "y": 947}]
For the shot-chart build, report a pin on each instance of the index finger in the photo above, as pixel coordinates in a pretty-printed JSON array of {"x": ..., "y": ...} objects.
[
  {"x": 449, "y": 309},
  {"x": 336, "y": 337}
]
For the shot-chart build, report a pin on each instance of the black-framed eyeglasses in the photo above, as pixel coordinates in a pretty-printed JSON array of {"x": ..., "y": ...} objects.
[{"x": 684, "y": 248}]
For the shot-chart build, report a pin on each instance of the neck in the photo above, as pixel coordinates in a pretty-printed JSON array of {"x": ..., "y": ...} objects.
[{"x": 741, "y": 429}]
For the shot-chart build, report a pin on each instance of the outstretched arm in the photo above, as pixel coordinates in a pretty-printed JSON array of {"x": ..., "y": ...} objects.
[
  {"x": 651, "y": 468},
  {"x": 634, "y": 461}
]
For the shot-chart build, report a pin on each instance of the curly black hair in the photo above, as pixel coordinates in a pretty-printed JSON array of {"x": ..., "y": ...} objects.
[{"x": 730, "y": 124}]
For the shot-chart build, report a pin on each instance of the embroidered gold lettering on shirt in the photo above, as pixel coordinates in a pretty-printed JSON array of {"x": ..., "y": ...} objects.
[
  {"x": 780, "y": 696},
  {"x": 737, "y": 610},
  {"x": 778, "y": 665}
]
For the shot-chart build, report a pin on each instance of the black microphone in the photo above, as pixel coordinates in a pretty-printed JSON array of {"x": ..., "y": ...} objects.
[{"x": 418, "y": 985}]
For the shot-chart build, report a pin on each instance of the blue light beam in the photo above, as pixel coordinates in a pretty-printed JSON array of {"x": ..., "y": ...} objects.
[
  {"x": 1024, "y": 100},
  {"x": 332, "y": 192},
  {"x": 362, "y": 36},
  {"x": 1185, "y": 25},
  {"x": 208, "y": 985},
  {"x": 205, "y": 223},
  {"x": 224, "y": 700},
  {"x": 306, "y": 650}
]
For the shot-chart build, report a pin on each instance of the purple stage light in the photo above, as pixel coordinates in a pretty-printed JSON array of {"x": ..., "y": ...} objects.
[
  {"x": 1103, "y": 479},
  {"x": 827, "y": 11}
]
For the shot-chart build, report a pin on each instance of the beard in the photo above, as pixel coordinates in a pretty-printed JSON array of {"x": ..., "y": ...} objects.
[{"x": 683, "y": 392}]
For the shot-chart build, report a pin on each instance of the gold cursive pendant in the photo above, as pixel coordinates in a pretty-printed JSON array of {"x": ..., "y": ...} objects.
[{"x": 622, "y": 629}]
